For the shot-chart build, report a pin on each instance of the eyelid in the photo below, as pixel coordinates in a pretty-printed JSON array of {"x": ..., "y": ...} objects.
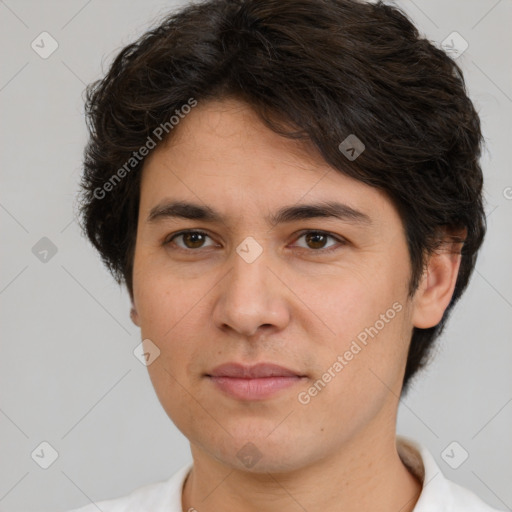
[
  {"x": 341, "y": 240},
  {"x": 172, "y": 236}
]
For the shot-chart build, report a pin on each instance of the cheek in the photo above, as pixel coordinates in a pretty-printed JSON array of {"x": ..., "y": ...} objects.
[
  {"x": 358, "y": 373},
  {"x": 162, "y": 298},
  {"x": 369, "y": 315},
  {"x": 169, "y": 318},
  {"x": 356, "y": 302}
]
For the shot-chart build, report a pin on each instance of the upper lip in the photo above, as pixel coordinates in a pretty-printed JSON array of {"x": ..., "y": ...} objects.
[{"x": 256, "y": 371}]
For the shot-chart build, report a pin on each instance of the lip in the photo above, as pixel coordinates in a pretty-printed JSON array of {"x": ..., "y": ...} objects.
[
  {"x": 256, "y": 382},
  {"x": 257, "y": 371}
]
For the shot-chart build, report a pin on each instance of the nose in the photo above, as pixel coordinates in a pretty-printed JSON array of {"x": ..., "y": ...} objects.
[{"x": 251, "y": 298}]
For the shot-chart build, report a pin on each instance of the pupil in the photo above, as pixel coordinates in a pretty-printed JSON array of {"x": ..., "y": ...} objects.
[
  {"x": 316, "y": 235},
  {"x": 195, "y": 243}
]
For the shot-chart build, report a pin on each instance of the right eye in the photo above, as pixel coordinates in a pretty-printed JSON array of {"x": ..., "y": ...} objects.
[{"x": 191, "y": 240}]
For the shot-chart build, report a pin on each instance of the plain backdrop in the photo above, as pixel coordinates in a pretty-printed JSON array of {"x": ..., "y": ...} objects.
[{"x": 68, "y": 375}]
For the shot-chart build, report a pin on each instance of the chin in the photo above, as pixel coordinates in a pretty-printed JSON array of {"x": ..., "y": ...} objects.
[{"x": 260, "y": 454}]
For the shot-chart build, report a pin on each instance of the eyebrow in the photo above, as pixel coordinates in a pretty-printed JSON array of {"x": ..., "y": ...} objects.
[{"x": 193, "y": 211}]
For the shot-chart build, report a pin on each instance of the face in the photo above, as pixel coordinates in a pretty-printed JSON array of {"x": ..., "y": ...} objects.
[{"x": 324, "y": 297}]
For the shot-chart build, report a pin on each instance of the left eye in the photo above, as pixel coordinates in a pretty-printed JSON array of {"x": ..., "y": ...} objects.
[
  {"x": 315, "y": 240},
  {"x": 318, "y": 239}
]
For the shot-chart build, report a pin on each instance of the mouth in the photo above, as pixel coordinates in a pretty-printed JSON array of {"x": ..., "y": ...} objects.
[{"x": 257, "y": 382}]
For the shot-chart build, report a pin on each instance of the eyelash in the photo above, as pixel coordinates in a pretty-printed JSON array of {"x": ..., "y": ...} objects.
[{"x": 341, "y": 241}]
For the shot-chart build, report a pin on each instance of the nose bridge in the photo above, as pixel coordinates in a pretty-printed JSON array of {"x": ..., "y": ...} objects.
[
  {"x": 249, "y": 297},
  {"x": 249, "y": 274}
]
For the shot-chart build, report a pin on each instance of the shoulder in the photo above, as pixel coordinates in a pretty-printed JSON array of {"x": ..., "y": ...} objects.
[
  {"x": 463, "y": 499},
  {"x": 438, "y": 493},
  {"x": 137, "y": 498},
  {"x": 164, "y": 496}
]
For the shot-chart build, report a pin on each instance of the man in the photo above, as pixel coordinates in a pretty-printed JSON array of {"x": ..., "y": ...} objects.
[{"x": 291, "y": 192}]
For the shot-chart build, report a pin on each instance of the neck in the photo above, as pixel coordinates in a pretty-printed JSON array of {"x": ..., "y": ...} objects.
[{"x": 361, "y": 476}]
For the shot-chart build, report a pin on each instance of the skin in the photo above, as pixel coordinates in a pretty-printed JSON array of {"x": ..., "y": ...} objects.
[{"x": 295, "y": 306}]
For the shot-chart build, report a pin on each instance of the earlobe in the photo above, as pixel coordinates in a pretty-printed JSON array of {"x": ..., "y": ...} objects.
[
  {"x": 436, "y": 287},
  {"x": 134, "y": 316}
]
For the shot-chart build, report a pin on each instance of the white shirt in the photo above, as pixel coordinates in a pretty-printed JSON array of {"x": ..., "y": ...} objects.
[{"x": 438, "y": 493}]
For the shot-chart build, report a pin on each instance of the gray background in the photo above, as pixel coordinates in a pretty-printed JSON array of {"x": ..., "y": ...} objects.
[{"x": 68, "y": 375}]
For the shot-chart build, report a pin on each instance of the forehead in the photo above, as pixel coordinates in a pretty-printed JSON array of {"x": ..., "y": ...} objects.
[
  {"x": 222, "y": 152},
  {"x": 222, "y": 131}
]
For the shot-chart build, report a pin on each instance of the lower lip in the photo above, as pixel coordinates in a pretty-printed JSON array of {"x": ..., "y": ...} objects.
[{"x": 254, "y": 389}]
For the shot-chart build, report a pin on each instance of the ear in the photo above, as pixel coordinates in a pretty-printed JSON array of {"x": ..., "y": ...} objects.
[
  {"x": 438, "y": 282},
  {"x": 134, "y": 315}
]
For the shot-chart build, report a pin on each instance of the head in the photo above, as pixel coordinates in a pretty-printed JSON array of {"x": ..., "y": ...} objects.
[{"x": 245, "y": 108}]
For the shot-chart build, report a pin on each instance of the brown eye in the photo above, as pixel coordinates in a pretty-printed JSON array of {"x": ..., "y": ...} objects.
[
  {"x": 316, "y": 241},
  {"x": 190, "y": 239}
]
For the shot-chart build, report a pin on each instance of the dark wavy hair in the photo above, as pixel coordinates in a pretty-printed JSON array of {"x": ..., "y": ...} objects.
[{"x": 316, "y": 70}]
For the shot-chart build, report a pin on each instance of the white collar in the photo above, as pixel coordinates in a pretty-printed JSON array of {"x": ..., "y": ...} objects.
[{"x": 438, "y": 493}]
